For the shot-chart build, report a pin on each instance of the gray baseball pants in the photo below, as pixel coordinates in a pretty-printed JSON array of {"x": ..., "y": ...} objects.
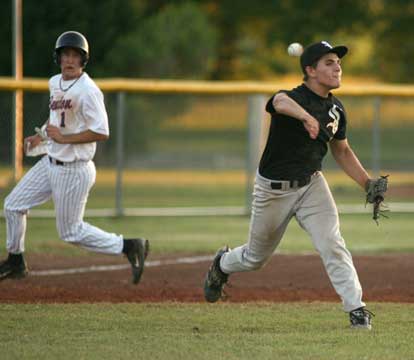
[{"x": 314, "y": 208}]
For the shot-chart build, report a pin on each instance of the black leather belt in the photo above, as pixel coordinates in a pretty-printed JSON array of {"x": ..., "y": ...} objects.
[
  {"x": 290, "y": 184},
  {"x": 56, "y": 162}
]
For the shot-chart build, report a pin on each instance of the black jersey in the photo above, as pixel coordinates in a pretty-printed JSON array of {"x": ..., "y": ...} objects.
[{"x": 290, "y": 153}]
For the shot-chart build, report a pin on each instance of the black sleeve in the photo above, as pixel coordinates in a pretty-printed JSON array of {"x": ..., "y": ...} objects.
[
  {"x": 294, "y": 95},
  {"x": 269, "y": 105}
]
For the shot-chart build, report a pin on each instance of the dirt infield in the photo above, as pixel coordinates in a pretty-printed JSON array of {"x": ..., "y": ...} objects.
[{"x": 285, "y": 278}]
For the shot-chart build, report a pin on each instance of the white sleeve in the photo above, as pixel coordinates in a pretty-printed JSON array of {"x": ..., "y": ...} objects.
[{"x": 94, "y": 112}]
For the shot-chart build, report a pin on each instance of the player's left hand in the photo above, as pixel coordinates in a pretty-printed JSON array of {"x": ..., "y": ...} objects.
[
  {"x": 32, "y": 141},
  {"x": 376, "y": 189},
  {"x": 54, "y": 133}
]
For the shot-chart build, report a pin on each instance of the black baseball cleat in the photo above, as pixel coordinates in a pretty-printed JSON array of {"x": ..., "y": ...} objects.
[
  {"x": 136, "y": 254},
  {"x": 215, "y": 279},
  {"x": 14, "y": 267},
  {"x": 361, "y": 318}
]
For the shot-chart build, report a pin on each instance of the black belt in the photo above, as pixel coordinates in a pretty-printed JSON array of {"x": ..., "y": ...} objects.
[
  {"x": 290, "y": 184},
  {"x": 56, "y": 162}
]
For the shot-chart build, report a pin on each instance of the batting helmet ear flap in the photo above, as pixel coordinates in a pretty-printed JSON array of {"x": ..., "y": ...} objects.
[{"x": 56, "y": 57}]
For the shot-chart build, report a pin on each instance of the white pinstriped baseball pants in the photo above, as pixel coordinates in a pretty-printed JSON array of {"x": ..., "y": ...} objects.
[
  {"x": 316, "y": 212},
  {"x": 69, "y": 187}
]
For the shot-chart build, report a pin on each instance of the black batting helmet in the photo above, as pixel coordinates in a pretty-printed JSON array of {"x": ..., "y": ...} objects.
[{"x": 74, "y": 40}]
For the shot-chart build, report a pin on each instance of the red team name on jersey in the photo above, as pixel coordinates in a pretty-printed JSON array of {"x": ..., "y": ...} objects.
[{"x": 60, "y": 104}]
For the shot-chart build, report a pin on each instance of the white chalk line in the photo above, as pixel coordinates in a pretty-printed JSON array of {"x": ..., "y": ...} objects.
[
  {"x": 395, "y": 207},
  {"x": 150, "y": 263},
  {"x": 98, "y": 268}
]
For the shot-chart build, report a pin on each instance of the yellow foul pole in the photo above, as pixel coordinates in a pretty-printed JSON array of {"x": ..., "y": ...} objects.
[{"x": 18, "y": 97}]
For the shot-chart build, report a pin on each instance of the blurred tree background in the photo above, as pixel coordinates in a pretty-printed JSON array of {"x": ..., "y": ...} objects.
[{"x": 214, "y": 39}]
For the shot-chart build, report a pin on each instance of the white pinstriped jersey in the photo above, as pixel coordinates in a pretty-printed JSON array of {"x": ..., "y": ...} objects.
[{"x": 74, "y": 108}]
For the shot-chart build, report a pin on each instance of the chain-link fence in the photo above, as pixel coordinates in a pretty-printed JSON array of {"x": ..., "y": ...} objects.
[{"x": 184, "y": 150}]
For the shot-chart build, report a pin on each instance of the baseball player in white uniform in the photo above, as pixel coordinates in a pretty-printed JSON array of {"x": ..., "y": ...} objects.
[
  {"x": 289, "y": 182},
  {"x": 66, "y": 172}
]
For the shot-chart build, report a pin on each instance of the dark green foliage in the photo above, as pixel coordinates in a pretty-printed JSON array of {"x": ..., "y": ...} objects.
[
  {"x": 177, "y": 42},
  {"x": 208, "y": 38},
  {"x": 395, "y": 45}
]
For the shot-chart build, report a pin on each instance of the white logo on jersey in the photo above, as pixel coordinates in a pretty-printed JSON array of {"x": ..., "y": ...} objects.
[{"x": 335, "y": 116}]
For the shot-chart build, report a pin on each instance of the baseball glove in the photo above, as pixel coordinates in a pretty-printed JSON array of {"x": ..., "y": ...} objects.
[{"x": 376, "y": 190}]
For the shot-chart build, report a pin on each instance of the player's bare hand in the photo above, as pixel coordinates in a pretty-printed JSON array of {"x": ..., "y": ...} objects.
[
  {"x": 312, "y": 127},
  {"x": 54, "y": 133},
  {"x": 32, "y": 141}
]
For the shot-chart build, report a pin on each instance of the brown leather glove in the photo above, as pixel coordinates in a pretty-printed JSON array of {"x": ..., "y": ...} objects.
[{"x": 376, "y": 189}]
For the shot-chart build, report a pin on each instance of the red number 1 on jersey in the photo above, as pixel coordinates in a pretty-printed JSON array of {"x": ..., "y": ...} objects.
[{"x": 62, "y": 119}]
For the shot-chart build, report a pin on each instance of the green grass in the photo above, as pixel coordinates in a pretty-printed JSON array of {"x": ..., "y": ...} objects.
[
  {"x": 202, "y": 188},
  {"x": 206, "y": 234},
  {"x": 207, "y": 195},
  {"x": 199, "y": 196},
  {"x": 202, "y": 331},
  {"x": 164, "y": 196},
  {"x": 394, "y": 147}
]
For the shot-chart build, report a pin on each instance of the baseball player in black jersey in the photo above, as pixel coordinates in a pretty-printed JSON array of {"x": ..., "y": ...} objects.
[{"x": 289, "y": 182}]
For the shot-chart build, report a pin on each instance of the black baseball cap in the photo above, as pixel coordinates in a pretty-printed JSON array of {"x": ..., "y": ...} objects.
[{"x": 315, "y": 51}]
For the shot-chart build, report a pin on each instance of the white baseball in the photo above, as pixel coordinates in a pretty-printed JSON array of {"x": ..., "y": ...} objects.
[{"x": 295, "y": 49}]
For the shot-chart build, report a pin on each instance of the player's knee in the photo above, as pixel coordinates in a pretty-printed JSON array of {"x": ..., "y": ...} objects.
[
  {"x": 68, "y": 237},
  {"x": 7, "y": 205},
  {"x": 68, "y": 234},
  {"x": 10, "y": 209},
  {"x": 333, "y": 248}
]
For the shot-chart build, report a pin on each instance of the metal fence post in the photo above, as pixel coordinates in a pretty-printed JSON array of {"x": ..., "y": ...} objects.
[
  {"x": 376, "y": 137},
  {"x": 255, "y": 117},
  {"x": 119, "y": 152}
]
